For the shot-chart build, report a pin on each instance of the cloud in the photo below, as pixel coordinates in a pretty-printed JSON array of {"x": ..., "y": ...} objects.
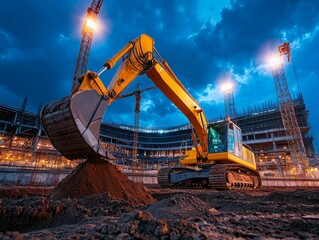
[
  {"x": 11, "y": 54},
  {"x": 8, "y": 97},
  {"x": 63, "y": 38},
  {"x": 147, "y": 105},
  {"x": 210, "y": 95},
  {"x": 201, "y": 41}
]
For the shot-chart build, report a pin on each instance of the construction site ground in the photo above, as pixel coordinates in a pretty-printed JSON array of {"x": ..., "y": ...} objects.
[{"x": 137, "y": 212}]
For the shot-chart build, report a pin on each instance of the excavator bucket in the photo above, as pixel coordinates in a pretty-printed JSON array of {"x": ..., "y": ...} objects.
[{"x": 73, "y": 125}]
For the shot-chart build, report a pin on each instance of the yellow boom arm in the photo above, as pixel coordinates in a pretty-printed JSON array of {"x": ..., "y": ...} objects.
[
  {"x": 73, "y": 123},
  {"x": 139, "y": 59}
]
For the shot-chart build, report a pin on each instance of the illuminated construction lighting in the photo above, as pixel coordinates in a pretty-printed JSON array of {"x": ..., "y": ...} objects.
[
  {"x": 91, "y": 24},
  {"x": 227, "y": 87},
  {"x": 228, "y": 91},
  {"x": 275, "y": 61}
]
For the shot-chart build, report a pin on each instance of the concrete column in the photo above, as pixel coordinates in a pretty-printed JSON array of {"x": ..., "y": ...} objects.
[{"x": 278, "y": 163}]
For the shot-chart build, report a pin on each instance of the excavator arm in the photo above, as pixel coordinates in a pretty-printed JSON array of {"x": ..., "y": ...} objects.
[
  {"x": 73, "y": 123},
  {"x": 176, "y": 92}
]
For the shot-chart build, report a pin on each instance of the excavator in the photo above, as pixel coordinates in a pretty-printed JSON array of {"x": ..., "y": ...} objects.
[{"x": 218, "y": 159}]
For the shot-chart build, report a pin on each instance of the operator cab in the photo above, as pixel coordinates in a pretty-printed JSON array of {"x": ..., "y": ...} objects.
[{"x": 225, "y": 137}]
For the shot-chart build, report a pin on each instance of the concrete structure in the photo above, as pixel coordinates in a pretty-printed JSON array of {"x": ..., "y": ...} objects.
[{"x": 262, "y": 130}]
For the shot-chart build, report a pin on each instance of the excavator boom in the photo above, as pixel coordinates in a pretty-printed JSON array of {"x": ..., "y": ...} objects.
[
  {"x": 176, "y": 92},
  {"x": 73, "y": 123}
]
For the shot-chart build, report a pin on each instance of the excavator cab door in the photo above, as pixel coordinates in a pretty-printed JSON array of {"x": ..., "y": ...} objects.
[
  {"x": 234, "y": 139},
  {"x": 217, "y": 138},
  {"x": 225, "y": 137}
]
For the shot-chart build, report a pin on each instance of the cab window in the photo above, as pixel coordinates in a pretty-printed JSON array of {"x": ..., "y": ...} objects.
[
  {"x": 217, "y": 139},
  {"x": 231, "y": 141}
]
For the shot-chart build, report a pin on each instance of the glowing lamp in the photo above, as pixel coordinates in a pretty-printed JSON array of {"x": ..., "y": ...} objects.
[
  {"x": 227, "y": 87},
  {"x": 275, "y": 61},
  {"x": 91, "y": 24}
]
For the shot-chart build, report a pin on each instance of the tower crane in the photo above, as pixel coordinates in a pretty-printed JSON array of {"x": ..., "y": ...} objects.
[
  {"x": 288, "y": 115},
  {"x": 88, "y": 28},
  {"x": 137, "y": 109}
]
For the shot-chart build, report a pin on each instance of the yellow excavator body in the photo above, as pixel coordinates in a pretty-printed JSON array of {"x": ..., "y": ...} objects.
[{"x": 73, "y": 123}]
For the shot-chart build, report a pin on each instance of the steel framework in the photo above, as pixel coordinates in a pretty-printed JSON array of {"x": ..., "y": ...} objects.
[
  {"x": 137, "y": 110},
  {"x": 87, "y": 36},
  {"x": 288, "y": 115},
  {"x": 229, "y": 103}
]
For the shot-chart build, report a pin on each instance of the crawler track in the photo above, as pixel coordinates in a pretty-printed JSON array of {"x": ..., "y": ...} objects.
[
  {"x": 163, "y": 177},
  {"x": 233, "y": 176},
  {"x": 218, "y": 176}
]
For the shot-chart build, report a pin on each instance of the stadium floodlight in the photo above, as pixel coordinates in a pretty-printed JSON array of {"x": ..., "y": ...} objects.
[
  {"x": 275, "y": 61},
  {"x": 227, "y": 87},
  {"x": 90, "y": 23}
]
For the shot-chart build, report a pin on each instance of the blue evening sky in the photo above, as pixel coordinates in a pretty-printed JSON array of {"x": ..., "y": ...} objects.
[{"x": 204, "y": 42}]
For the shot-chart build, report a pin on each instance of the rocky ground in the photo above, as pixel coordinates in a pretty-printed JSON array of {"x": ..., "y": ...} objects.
[
  {"x": 124, "y": 210},
  {"x": 177, "y": 214}
]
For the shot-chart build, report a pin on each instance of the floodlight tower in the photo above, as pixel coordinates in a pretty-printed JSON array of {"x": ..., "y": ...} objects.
[
  {"x": 228, "y": 92},
  {"x": 288, "y": 115},
  {"x": 88, "y": 29}
]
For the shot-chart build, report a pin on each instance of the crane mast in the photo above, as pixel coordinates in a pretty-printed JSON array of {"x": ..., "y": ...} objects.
[
  {"x": 137, "y": 110},
  {"x": 87, "y": 36},
  {"x": 288, "y": 115},
  {"x": 136, "y": 120}
]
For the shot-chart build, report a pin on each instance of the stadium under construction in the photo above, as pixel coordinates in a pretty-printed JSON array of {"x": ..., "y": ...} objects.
[
  {"x": 271, "y": 140},
  {"x": 24, "y": 143}
]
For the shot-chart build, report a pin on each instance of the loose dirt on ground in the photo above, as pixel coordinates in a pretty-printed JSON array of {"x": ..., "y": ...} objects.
[
  {"x": 176, "y": 214},
  {"x": 98, "y": 176}
]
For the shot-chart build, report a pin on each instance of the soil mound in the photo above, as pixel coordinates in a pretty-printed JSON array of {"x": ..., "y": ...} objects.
[
  {"x": 297, "y": 196},
  {"x": 32, "y": 213},
  {"x": 179, "y": 206},
  {"x": 180, "y": 214},
  {"x": 20, "y": 191},
  {"x": 97, "y": 177}
]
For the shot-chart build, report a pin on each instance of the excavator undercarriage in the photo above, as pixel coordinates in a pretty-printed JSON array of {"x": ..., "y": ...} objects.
[
  {"x": 217, "y": 176},
  {"x": 73, "y": 123}
]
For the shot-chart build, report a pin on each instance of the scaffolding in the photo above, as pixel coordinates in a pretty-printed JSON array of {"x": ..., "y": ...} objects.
[
  {"x": 261, "y": 125},
  {"x": 87, "y": 36},
  {"x": 295, "y": 142},
  {"x": 230, "y": 104}
]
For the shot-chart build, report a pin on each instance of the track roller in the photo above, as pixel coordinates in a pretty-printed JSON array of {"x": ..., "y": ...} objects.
[
  {"x": 163, "y": 177},
  {"x": 233, "y": 176}
]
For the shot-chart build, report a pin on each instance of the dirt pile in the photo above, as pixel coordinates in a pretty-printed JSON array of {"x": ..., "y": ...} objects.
[
  {"x": 20, "y": 192},
  {"x": 297, "y": 196},
  {"x": 97, "y": 177},
  {"x": 178, "y": 214},
  {"x": 40, "y": 212},
  {"x": 180, "y": 206}
]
